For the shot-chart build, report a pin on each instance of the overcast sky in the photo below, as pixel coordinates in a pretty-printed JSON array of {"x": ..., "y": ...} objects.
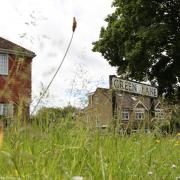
[{"x": 44, "y": 26}]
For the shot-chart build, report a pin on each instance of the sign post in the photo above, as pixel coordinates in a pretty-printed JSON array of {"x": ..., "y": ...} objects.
[{"x": 133, "y": 87}]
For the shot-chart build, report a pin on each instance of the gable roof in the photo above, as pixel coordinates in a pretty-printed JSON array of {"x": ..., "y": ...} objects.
[
  {"x": 98, "y": 90},
  {"x": 157, "y": 106},
  {"x": 7, "y": 46},
  {"x": 141, "y": 103},
  {"x": 130, "y": 101}
]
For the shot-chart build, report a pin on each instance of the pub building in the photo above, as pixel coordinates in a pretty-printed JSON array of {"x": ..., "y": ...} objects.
[{"x": 128, "y": 103}]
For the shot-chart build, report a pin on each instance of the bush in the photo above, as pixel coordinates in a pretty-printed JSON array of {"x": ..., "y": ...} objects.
[{"x": 47, "y": 115}]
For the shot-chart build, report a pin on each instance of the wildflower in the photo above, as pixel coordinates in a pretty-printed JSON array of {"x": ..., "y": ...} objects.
[
  {"x": 77, "y": 178},
  {"x": 173, "y": 166},
  {"x": 177, "y": 143},
  {"x": 150, "y": 173},
  {"x": 178, "y": 135},
  {"x": 157, "y": 141}
]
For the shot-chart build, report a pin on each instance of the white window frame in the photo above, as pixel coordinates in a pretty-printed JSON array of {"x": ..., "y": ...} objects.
[
  {"x": 125, "y": 114},
  {"x": 4, "y": 64},
  {"x": 1, "y": 109},
  {"x": 159, "y": 113},
  {"x": 6, "y": 109},
  {"x": 139, "y": 113}
]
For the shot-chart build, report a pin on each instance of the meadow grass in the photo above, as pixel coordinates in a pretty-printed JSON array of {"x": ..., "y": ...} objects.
[{"x": 66, "y": 149}]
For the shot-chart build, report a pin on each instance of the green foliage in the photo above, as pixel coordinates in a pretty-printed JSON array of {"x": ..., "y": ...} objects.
[
  {"x": 48, "y": 115},
  {"x": 142, "y": 39}
]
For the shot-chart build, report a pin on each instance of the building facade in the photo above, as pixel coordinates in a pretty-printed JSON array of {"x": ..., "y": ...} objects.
[
  {"x": 15, "y": 79},
  {"x": 127, "y": 104}
]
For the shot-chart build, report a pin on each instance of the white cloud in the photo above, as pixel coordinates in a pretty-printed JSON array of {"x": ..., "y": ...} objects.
[{"x": 45, "y": 27}]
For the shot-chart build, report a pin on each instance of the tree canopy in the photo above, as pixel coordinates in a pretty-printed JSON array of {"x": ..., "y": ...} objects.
[{"x": 142, "y": 39}]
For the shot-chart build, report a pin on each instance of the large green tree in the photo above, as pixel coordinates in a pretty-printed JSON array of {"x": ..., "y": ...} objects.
[{"x": 142, "y": 39}]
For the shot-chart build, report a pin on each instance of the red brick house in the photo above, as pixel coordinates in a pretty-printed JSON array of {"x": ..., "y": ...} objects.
[{"x": 15, "y": 79}]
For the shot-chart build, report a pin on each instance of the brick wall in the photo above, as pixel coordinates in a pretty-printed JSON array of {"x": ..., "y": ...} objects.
[
  {"x": 99, "y": 110},
  {"x": 16, "y": 86}
]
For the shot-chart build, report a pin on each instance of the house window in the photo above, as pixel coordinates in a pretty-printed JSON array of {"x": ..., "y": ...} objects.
[
  {"x": 159, "y": 113},
  {"x": 3, "y": 64},
  {"x": 125, "y": 114},
  {"x": 6, "y": 109},
  {"x": 3, "y": 109},
  {"x": 139, "y": 113}
]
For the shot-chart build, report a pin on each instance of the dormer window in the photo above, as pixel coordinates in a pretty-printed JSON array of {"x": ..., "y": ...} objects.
[
  {"x": 3, "y": 64},
  {"x": 6, "y": 109},
  {"x": 159, "y": 113},
  {"x": 139, "y": 113}
]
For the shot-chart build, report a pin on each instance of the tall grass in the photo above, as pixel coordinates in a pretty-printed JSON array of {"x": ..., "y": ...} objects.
[{"x": 65, "y": 149}]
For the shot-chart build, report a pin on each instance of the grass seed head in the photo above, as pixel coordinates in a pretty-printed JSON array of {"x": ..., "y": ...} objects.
[{"x": 1, "y": 134}]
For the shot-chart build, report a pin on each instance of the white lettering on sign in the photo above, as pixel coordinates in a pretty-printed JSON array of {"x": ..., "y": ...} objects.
[{"x": 133, "y": 87}]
